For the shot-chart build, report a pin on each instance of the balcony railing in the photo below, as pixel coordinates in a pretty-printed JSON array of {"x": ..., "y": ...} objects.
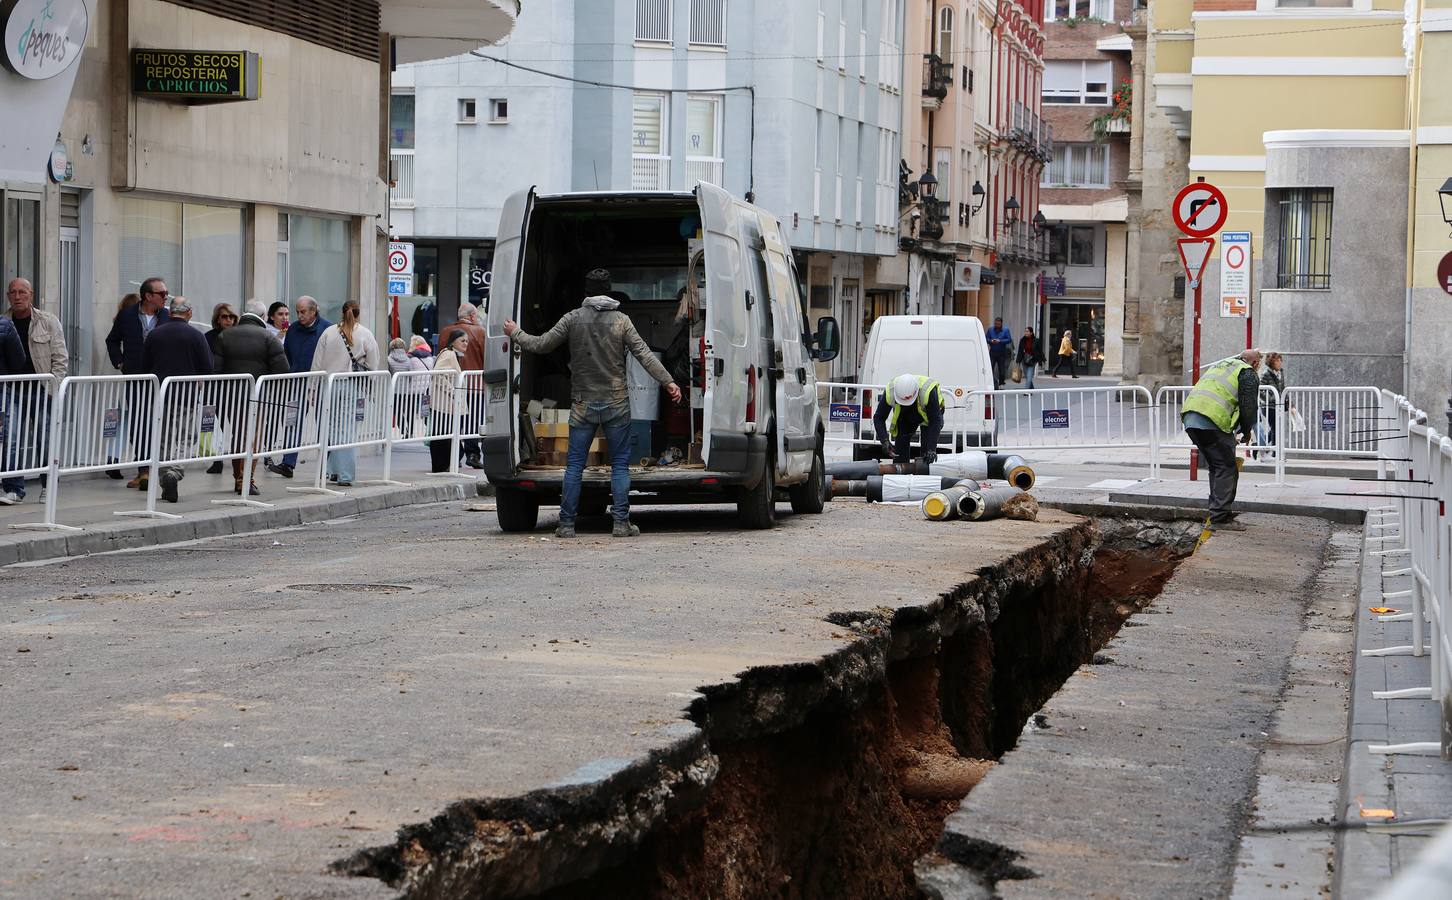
[
  {"x": 402, "y": 163},
  {"x": 1030, "y": 133},
  {"x": 1019, "y": 244},
  {"x": 650, "y": 172},
  {"x": 710, "y": 169},
  {"x": 937, "y": 75}
]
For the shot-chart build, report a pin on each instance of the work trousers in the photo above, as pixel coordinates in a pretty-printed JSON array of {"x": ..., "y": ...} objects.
[{"x": 1217, "y": 449}]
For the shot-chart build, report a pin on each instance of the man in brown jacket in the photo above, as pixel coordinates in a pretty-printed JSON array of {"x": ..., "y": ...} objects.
[{"x": 600, "y": 336}]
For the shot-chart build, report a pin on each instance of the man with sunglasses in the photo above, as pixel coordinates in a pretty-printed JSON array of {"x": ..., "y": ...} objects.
[{"x": 125, "y": 346}]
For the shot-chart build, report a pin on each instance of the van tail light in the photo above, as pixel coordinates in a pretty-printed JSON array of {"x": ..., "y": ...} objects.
[
  {"x": 987, "y": 406},
  {"x": 751, "y": 394}
]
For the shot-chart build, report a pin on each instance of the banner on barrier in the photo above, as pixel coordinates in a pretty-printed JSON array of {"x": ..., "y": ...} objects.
[
  {"x": 110, "y": 422},
  {"x": 845, "y": 412},
  {"x": 1328, "y": 420},
  {"x": 1056, "y": 418}
]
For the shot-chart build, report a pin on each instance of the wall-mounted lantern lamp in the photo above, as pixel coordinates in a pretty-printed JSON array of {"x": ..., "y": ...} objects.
[
  {"x": 1010, "y": 213},
  {"x": 980, "y": 196},
  {"x": 1444, "y": 193}
]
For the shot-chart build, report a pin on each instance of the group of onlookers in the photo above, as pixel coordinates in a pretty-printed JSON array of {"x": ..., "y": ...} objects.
[{"x": 153, "y": 333}]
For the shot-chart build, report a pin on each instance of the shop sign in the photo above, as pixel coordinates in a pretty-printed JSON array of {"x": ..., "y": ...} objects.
[
  {"x": 194, "y": 76},
  {"x": 43, "y": 38},
  {"x": 60, "y": 163},
  {"x": 967, "y": 276},
  {"x": 1055, "y": 285}
]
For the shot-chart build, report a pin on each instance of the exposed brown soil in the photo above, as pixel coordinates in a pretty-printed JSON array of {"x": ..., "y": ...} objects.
[{"x": 1123, "y": 582}]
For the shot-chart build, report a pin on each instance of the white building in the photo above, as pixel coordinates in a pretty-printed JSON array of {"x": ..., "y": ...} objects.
[{"x": 796, "y": 103}]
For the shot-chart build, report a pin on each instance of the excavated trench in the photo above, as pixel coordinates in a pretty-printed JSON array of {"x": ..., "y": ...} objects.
[{"x": 828, "y": 779}]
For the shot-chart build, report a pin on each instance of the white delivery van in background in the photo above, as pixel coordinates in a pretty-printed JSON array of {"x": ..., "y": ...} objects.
[
  {"x": 752, "y": 428},
  {"x": 953, "y": 350}
]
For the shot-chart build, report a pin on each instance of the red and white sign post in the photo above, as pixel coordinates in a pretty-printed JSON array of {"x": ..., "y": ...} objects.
[{"x": 1199, "y": 211}]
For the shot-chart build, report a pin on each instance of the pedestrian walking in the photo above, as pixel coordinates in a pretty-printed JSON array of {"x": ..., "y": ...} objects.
[
  {"x": 441, "y": 399},
  {"x": 174, "y": 349},
  {"x": 1030, "y": 355},
  {"x": 600, "y": 337},
  {"x": 345, "y": 347},
  {"x": 278, "y": 319},
  {"x": 473, "y": 361},
  {"x": 911, "y": 403},
  {"x": 1221, "y": 403},
  {"x": 125, "y": 345},
  {"x": 300, "y": 345},
  {"x": 223, "y": 317},
  {"x": 248, "y": 348},
  {"x": 1000, "y": 352},
  {"x": 12, "y": 362},
  {"x": 44, "y": 342},
  {"x": 1066, "y": 355},
  {"x": 1273, "y": 376}
]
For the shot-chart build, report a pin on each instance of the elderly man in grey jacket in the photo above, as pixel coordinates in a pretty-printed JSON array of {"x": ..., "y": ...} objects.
[{"x": 600, "y": 336}]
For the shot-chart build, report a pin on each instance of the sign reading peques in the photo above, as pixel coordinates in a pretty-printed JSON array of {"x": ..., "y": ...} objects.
[
  {"x": 43, "y": 38},
  {"x": 194, "y": 76}
]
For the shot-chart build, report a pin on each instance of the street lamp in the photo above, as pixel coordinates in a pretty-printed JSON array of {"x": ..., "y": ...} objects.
[
  {"x": 1061, "y": 259},
  {"x": 1039, "y": 223},
  {"x": 980, "y": 196},
  {"x": 928, "y": 185},
  {"x": 1444, "y": 193},
  {"x": 1010, "y": 213}
]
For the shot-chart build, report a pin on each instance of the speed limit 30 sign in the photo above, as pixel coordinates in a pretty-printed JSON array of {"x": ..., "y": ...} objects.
[{"x": 400, "y": 258}]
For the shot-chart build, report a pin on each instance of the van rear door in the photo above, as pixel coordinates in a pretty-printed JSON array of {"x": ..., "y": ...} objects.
[
  {"x": 728, "y": 330},
  {"x": 501, "y": 359},
  {"x": 796, "y": 404}
]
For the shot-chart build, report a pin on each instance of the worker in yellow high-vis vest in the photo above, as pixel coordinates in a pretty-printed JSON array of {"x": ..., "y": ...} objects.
[
  {"x": 1220, "y": 404},
  {"x": 911, "y": 403}
]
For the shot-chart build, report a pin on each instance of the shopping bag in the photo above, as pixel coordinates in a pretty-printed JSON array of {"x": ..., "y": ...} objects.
[
  {"x": 1016, "y": 373},
  {"x": 1298, "y": 423}
]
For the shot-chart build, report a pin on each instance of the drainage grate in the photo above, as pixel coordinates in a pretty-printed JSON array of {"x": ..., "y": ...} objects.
[{"x": 354, "y": 588}]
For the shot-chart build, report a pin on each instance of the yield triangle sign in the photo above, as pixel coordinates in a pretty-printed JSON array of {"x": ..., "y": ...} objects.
[{"x": 1193, "y": 254}]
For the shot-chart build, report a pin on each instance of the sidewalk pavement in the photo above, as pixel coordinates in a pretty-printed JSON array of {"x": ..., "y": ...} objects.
[{"x": 91, "y": 503}]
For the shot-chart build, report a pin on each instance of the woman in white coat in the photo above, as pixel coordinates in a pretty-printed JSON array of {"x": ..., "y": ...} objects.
[{"x": 345, "y": 347}]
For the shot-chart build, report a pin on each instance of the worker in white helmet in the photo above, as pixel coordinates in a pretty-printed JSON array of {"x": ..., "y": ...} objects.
[{"x": 910, "y": 403}]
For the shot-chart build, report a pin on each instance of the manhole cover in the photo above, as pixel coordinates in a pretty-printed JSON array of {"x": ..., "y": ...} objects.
[{"x": 353, "y": 588}]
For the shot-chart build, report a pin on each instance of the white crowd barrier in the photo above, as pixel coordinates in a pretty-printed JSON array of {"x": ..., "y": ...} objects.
[
  {"x": 1410, "y": 539},
  {"x": 137, "y": 424},
  {"x": 1071, "y": 418},
  {"x": 1170, "y": 432},
  {"x": 25, "y": 424}
]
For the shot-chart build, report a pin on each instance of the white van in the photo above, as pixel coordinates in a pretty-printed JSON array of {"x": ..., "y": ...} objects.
[
  {"x": 951, "y": 349},
  {"x": 752, "y": 425}
]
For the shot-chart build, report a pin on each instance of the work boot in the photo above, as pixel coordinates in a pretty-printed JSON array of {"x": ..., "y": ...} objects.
[
  {"x": 625, "y": 529},
  {"x": 215, "y": 468},
  {"x": 1230, "y": 525},
  {"x": 169, "y": 478},
  {"x": 565, "y": 530},
  {"x": 282, "y": 469}
]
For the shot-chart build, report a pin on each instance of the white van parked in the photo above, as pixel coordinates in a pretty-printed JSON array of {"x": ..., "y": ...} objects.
[
  {"x": 951, "y": 349},
  {"x": 752, "y": 426}
]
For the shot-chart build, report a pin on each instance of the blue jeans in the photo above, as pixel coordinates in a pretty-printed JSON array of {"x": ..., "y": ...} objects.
[
  {"x": 1028, "y": 376},
  {"x": 585, "y": 418}
]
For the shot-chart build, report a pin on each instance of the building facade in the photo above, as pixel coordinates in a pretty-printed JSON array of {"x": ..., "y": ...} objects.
[
  {"x": 1088, "y": 96},
  {"x": 234, "y": 151},
  {"x": 798, "y": 105}
]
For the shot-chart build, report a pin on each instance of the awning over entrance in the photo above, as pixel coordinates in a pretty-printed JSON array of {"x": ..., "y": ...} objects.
[{"x": 436, "y": 29}]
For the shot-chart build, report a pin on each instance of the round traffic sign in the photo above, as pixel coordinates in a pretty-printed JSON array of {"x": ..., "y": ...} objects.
[
  {"x": 397, "y": 261},
  {"x": 1200, "y": 209},
  {"x": 1444, "y": 273},
  {"x": 1234, "y": 256}
]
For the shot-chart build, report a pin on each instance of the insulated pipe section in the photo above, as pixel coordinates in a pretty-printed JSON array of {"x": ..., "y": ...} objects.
[
  {"x": 904, "y": 488},
  {"x": 940, "y": 506},
  {"x": 985, "y": 503},
  {"x": 968, "y": 464},
  {"x": 1011, "y": 468},
  {"x": 874, "y": 467}
]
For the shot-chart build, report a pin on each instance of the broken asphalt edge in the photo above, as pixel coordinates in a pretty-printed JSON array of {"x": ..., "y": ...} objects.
[
  {"x": 112, "y": 536},
  {"x": 524, "y": 845}
]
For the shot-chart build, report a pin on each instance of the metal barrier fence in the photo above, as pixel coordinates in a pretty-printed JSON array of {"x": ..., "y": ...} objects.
[
  {"x": 25, "y": 424},
  {"x": 426, "y": 407},
  {"x": 98, "y": 422},
  {"x": 1412, "y": 535},
  {"x": 1170, "y": 432},
  {"x": 198, "y": 418},
  {"x": 1071, "y": 418},
  {"x": 356, "y": 413}
]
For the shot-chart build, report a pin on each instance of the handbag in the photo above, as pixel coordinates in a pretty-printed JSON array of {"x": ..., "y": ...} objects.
[{"x": 1016, "y": 373}]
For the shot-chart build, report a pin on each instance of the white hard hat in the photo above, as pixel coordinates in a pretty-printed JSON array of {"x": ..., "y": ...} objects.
[{"x": 905, "y": 389}]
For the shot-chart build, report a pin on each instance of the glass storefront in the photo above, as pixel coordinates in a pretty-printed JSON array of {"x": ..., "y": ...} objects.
[
  {"x": 320, "y": 262},
  {"x": 1086, "y": 321},
  {"x": 197, "y": 248},
  {"x": 20, "y": 236}
]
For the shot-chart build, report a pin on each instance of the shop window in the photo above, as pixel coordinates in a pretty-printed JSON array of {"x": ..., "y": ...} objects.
[
  {"x": 476, "y": 266},
  {"x": 1083, "y": 82},
  {"x": 1305, "y": 239},
  {"x": 320, "y": 262},
  {"x": 198, "y": 249},
  {"x": 20, "y": 234}
]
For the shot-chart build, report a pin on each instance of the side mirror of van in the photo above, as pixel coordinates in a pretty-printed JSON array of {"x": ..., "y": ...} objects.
[{"x": 828, "y": 340}]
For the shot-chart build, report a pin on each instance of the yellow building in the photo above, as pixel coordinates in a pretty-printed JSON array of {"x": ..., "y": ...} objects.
[{"x": 1312, "y": 115}]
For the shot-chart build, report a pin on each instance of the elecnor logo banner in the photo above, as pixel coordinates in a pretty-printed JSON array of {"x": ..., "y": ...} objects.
[
  {"x": 1056, "y": 418},
  {"x": 844, "y": 412},
  {"x": 43, "y": 38}
]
